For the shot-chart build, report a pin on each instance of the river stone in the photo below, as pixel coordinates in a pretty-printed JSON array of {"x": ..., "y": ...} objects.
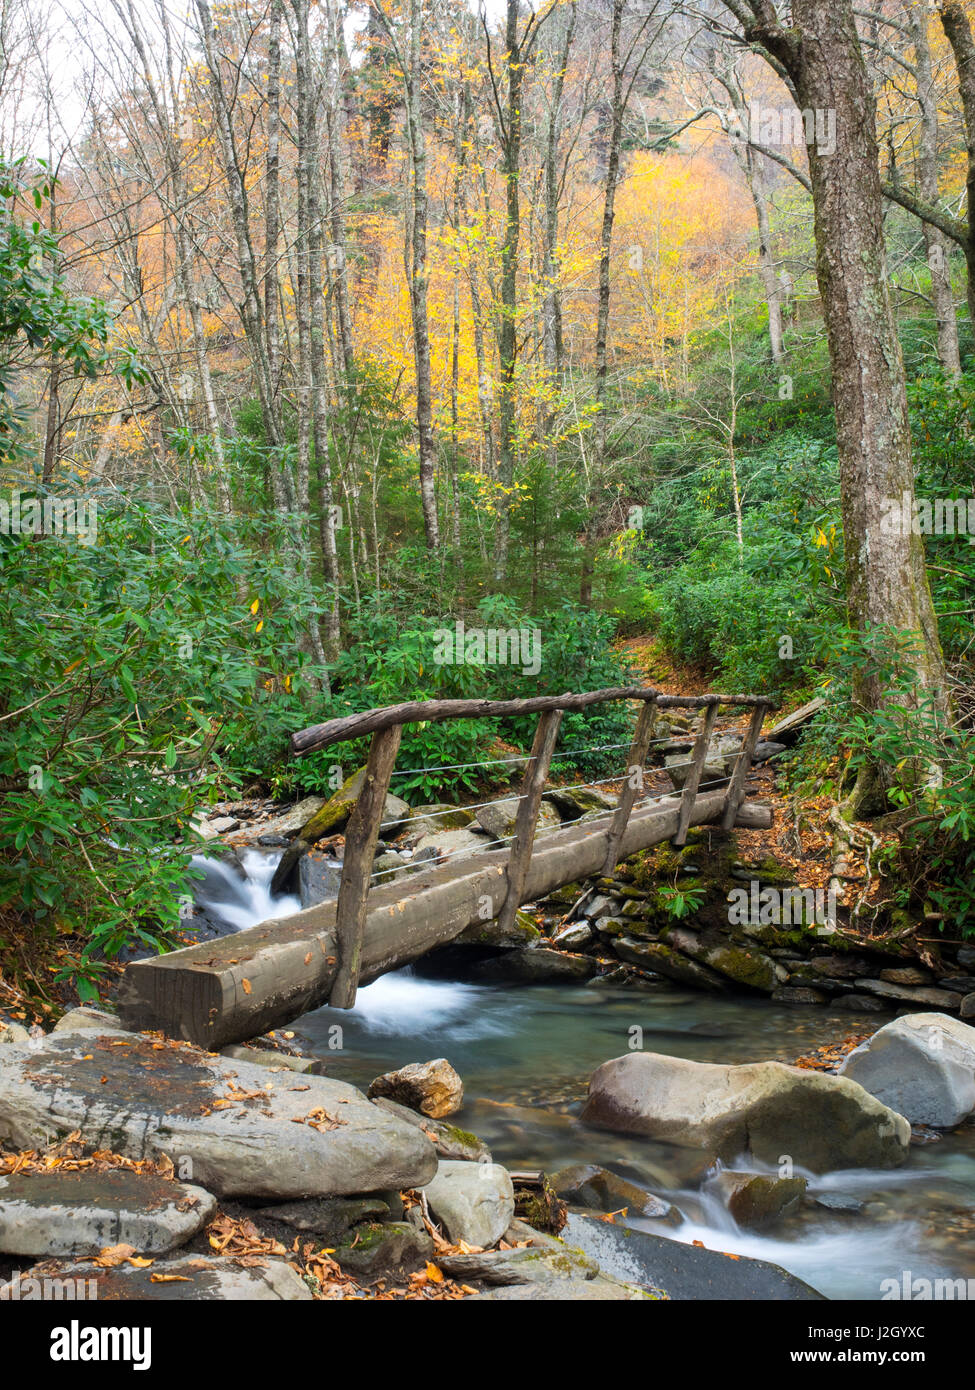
[
  {"x": 145, "y": 1099},
  {"x": 433, "y": 1088},
  {"x": 498, "y": 818},
  {"x": 763, "y": 1108},
  {"x": 798, "y": 995},
  {"x": 448, "y": 1140},
  {"x": 664, "y": 960},
  {"x": 531, "y": 1265},
  {"x": 682, "y": 1271},
  {"x": 589, "y": 1185},
  {"x": 369, "y": 1251},
  {"x": 574, "y": 937},
  {"x": 475, "y": 1202},
  {"x": 184, "y": 1280},
  {"x": 535, "y": 965},
  {"x": 756, "y": 1200},
  {"x": 912, "y": 994},
  {"x": 745, "y": 965},
  {"x": 81, "y": 1212},
  {"x": 966, "y": 957},
  {"x": 966, "y": 1008},
  {"x": 13, "y": 1033},
  {"x": 563, "y": 1291},
  {"x": 274, "y": 1061},
  {"x": 922, "y": 1065}
]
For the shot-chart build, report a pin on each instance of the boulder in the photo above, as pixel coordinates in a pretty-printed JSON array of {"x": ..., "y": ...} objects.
[
  {"x": 433, "y": 1088},
  {"x": 13, "y": 1033},
  {"x": 522, "y": 932},
  {"x": 798, "y": 995},
  {"x": 319, "y": 877},
  {"x": 745, "y": 965},
  {"x": 80, "y": 1212},
  {"x": 766, "y": 1109},
  {"x": 563, "y": 1291},
  {"x": 498, "y": 818},
  {"x": 452, "y": 844},
  {"x": 246, "y": 1132},
  {"x": 574, "y": 937},
  {"x": 664, "y": 960},
  {"x": 912, "y": 994},
  {"x": 682, "y": 1271},
  {"x": 922, "y": 1065},
  {"x": 185, "y": 1280},
  {"x": 439, "y": 816},
  {"x": 329, "y": 1218},
  {"x": 966, "y": 1008},
  {"x": 678, "y": 767},
  {"x": 757, "y": 1200},
  {"x": 475, "y": 1202},
  {"x": 573, "y": 802}
]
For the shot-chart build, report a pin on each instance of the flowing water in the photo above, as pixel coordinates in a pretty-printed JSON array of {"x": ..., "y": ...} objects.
[{"x": 526, "y": 1055}]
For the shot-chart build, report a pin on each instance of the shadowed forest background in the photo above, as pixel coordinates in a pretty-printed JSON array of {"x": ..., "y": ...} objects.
[{"x": 359, "y": 319}]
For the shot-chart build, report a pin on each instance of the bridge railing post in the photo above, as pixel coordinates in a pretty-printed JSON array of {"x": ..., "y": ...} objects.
[
  {"x": 361, "y": 835},
  {"x": 736, "y": 787},
  {"x": 532, "y": 787},
  {"x": 634, "y": 782},
  {"x": 698, "y": 759}
]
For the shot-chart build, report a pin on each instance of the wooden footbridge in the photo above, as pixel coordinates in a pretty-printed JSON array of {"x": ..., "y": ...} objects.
[{"x": 230, "y": 990}]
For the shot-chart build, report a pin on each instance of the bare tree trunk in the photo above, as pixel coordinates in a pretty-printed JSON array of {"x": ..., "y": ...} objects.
[{"x": 958, "y": 30}]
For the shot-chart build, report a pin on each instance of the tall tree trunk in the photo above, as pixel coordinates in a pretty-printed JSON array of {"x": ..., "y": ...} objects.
[
  {"x": 958, "y": 30},
  {"x": 935, "y": 241},
  {"x": 887, "y": 582}
]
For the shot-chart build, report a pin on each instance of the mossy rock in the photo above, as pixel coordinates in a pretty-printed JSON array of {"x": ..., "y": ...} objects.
[
  {"x": 336, "y": 811},
  {"x": 368, "y": 1251}
]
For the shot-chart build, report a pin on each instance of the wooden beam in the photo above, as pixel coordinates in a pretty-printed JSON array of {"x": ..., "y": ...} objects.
[
  {"x": 435, "y": 711},
  {"x": 236, "y": 988},
  {"x": 532, "y": 786},
  {"x": 736, "y": 787},
  {"x": 698, "y": 758},
  {"x": 634, "y": 781},
  {"x": 361, "y": 835}
]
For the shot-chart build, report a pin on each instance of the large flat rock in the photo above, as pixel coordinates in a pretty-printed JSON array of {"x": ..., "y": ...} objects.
[
  {"x": 81, "y": 1212},
  {"x": 246, "y": 1132},
  {"x": 185, "y": 1280},
  {"x": 681, "y": 1271}
]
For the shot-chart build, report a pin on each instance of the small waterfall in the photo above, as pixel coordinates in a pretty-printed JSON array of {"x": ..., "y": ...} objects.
[{"x": 237, "y": 902}]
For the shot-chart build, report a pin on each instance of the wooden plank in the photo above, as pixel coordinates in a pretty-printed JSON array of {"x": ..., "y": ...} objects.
[
  {"x": 238, "y": 987},
  {"x": 698, "y": 758},
  {"x": 633, "y": 784},
  {"x": 736, "y": 787},
  {"x": 435, "y": 711},
  {"x": 526, "y": 820},
  {"x": 361, "y": 835}
]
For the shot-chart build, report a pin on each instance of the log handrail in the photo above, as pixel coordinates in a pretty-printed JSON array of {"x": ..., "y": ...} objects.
[
  {"x": 352, "y": 726},
  {"x": 385, "y": 726}
]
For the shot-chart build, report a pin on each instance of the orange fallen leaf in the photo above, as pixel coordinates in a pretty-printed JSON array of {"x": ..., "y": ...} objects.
[{"x": 246, "y": 986}]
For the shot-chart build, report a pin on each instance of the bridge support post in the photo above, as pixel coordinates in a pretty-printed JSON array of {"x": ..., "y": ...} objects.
[
  {"x": 634, "y": 781},
  {"x": 698, "y": 758},
  {"x": 736, "y": 787},
  {"x": 361, "y": 835},
  {"x": 532, "y": 786}
]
